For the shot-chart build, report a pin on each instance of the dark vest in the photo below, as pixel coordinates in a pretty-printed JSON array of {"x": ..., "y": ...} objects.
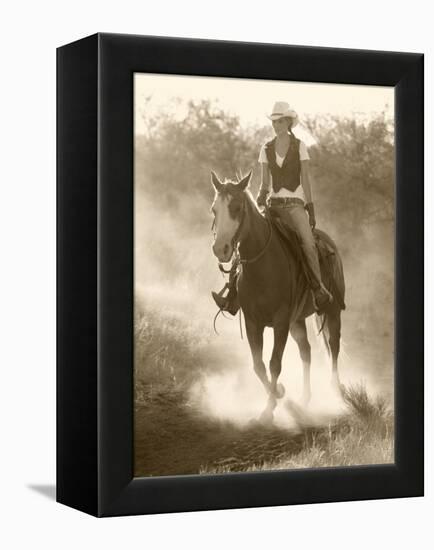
[{"x": 287, "y": 176}]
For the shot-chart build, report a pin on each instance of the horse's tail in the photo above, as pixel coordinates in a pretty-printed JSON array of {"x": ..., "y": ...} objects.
[
  {"x": 322, "y": 331},
  {"x": 334, "y": 270},
  {"x": 334, "y": 274}
]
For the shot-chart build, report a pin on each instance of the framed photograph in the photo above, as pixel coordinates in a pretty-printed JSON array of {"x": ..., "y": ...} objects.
[{"x": 240, "y": 275}]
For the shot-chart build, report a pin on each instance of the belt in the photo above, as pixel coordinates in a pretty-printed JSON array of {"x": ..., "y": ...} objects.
[{"x": 285, "y": 201}]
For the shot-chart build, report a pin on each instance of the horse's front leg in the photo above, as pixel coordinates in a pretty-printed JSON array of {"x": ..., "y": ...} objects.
[
  {"x": 255, "y": 336},
  {"x": 281, "y": 329}
]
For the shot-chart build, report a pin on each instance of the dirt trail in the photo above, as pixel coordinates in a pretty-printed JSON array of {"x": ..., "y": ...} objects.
[{"x": 173, "y": 437}]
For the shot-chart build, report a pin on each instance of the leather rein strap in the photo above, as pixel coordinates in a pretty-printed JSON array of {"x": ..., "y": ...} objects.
[{"x": 235, "y": 242}]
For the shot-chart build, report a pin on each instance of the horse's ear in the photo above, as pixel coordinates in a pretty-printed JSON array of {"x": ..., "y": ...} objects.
[
  {"x": 216, "y": 182},
  {"x": 244, "y": 183}
]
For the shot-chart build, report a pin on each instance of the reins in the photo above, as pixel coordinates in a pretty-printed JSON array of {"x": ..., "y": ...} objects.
[
  {"x": 235, "y": 243},
  {"x": 242, "y": 261},
  {"x": 246, "y": 261},
  {"x": 235, "y": 239}
]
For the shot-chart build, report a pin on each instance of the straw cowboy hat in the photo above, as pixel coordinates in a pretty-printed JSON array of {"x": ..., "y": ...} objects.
[{"x": 282, "y": 109}]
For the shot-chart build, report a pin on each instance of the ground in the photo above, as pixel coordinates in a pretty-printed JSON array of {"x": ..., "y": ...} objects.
[{"x": 174, "y": 437}]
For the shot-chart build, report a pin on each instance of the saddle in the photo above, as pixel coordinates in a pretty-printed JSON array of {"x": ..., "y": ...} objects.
[{"x": 327, "y": 255}]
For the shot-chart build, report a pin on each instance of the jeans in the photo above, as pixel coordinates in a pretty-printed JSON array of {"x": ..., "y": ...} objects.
[{"x": 295, "y": 216}]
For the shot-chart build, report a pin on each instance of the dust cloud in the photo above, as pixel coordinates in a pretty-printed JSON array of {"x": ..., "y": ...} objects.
[{"x": 175, "y": 271}]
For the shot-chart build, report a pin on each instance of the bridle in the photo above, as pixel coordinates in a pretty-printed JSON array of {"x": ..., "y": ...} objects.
[
  {"x": 238, "y": 260},
  {"x": 235, "y": 241}
]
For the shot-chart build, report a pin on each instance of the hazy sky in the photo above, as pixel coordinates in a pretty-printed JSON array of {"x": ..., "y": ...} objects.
[{"x": 252, "y": 99}]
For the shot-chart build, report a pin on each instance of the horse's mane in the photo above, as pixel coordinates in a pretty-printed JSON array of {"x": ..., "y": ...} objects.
[{"x": 251, "y": 200}]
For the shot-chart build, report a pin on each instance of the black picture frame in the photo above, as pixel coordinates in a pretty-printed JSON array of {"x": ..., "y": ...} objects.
[{"x": 95, "y": 274}]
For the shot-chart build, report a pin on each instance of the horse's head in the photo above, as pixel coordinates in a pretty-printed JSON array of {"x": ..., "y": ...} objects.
[{"x": 229, "y": 210}]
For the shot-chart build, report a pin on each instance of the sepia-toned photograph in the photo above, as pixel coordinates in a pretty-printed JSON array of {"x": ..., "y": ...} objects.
[{"x": 264, "y": 275}]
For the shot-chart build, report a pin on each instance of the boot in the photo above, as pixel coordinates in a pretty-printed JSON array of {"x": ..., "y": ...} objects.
[
  {"x": 227, "y": 303},
  {"x": 321, "y": 298}
]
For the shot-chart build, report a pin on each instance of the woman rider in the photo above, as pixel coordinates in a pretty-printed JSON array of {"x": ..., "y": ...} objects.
[{"x": 284, "y": 164}]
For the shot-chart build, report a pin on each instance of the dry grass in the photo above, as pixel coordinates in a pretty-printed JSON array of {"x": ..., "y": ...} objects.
[
  {"x": 365, "y": 435},
  {"x": 168, "y": 350}
]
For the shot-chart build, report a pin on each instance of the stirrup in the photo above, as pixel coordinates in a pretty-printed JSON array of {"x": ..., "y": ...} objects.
[
  {"x": 220, "y": 300},
  {"x": 224, "y": 304}
]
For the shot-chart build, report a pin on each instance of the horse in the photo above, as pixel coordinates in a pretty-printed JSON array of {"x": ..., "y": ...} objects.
[{"x": 273, "y": 291}]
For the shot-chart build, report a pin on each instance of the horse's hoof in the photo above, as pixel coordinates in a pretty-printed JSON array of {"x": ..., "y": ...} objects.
[{"x": 280, "y": 391}]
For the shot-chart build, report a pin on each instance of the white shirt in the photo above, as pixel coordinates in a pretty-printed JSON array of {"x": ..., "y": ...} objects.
[{"x": 298, "y": 193}]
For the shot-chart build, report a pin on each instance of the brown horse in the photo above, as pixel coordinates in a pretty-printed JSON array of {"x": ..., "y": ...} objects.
[{"x": 272, "y": 287}]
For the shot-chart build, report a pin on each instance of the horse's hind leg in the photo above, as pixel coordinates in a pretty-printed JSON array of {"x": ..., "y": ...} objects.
[
  {"x": 299, "y": 333},
  {"x": 334, "y": 329}
]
